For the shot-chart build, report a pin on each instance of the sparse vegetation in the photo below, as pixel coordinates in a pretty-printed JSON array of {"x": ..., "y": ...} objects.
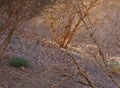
[
  {"x": 19, "y": 62},
  {"x": 88, "y": 30}
]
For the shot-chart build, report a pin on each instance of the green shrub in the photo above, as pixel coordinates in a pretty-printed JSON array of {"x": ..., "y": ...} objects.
[{"x": 19, "y": 62}]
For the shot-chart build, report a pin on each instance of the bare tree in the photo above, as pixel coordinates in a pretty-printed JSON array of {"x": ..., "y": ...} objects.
[
  {"x": 15, "y": 12},
  {"x": 67, "y": 18}
]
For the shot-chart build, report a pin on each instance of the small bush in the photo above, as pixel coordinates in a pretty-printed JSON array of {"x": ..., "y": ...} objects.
[{"x": 19, "y": 62}]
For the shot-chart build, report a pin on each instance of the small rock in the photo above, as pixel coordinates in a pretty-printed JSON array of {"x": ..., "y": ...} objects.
[{"x": 22, "y": 68}]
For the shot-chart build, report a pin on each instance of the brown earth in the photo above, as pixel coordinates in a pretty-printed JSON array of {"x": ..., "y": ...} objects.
[{"x": 50, "y": 64}]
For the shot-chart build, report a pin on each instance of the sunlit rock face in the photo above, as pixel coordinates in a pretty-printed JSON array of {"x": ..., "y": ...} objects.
[{"x": 114, "y": 65}]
